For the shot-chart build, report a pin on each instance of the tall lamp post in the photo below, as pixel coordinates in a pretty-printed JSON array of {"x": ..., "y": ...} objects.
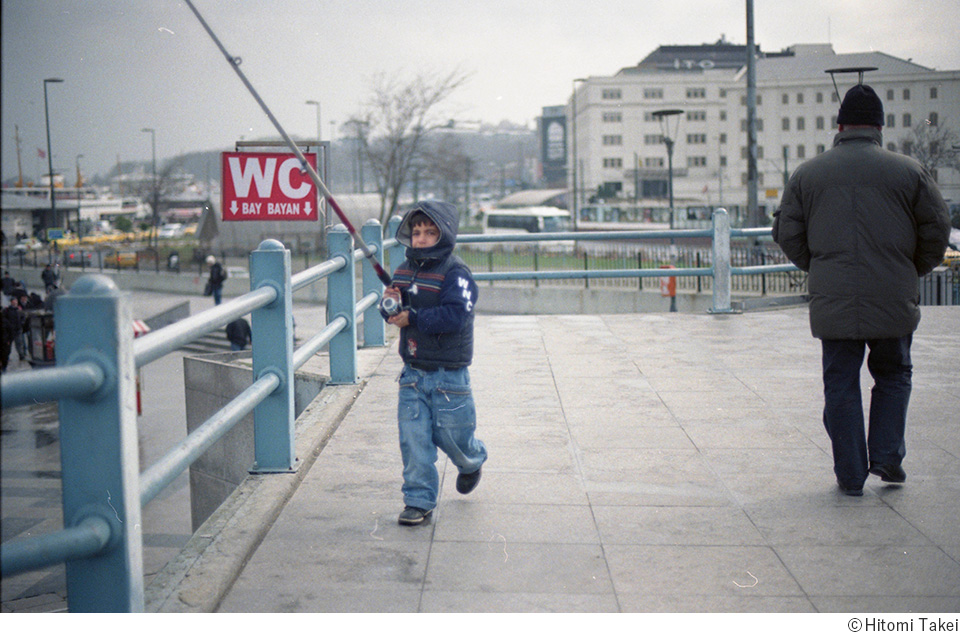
[
  {"x": 46, "y": 112},
  {"x": 156, "y": 192},
  {"x": 573, "y": 125},
  {"x": 663, "y": 116},
  {"x": 79, "y": 198},
  {"x": 321, "y": 170}
]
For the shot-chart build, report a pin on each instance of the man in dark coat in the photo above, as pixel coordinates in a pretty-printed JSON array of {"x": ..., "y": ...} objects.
[
  {"x": 865, "y": 223},
  {"x": 238, "y": 332}
]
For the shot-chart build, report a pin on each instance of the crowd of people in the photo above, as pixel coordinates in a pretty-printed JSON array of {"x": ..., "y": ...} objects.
[{"x": 18, "y": 304}]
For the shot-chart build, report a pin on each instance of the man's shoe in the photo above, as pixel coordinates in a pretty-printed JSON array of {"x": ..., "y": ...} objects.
[
  {"x": 889, "y": 473},
  {"x": 466, "y": 483},
  {"x": 850, "y": 490},
  {"x": 413, "y": 515}
]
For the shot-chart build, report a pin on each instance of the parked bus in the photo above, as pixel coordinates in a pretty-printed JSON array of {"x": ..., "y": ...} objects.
[{"x": 526, "y": 219}]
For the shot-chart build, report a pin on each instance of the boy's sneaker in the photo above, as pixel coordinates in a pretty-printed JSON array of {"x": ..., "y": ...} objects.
[
  {"x": 466, "y": 483},
  {"x": 413, "y": 515}
]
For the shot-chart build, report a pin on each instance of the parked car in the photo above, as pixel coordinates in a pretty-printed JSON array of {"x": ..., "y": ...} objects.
[
  {"x": 171, "y": 230},
  {"x": 29, "y": 244},
  {"x": 74, "y": 257},
  {"x": 121, "y": 259}
]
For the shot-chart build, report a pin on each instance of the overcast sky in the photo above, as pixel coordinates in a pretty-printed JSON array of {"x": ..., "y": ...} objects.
[{"x": 133, "y": 64}]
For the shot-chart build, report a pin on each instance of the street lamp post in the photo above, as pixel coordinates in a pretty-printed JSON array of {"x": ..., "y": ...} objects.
[
  {"x": 79, "y": 185},
  {"x": 663, "y": 117},
  {"x": 321, "y": 169},
  {"x": 573, "y": 125},
  {"x": 156, "y": 192},
  {"x": 46, "y": 112}
]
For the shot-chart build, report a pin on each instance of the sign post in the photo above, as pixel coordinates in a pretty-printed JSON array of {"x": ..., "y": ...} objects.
[{"x": 267, "y": 186}]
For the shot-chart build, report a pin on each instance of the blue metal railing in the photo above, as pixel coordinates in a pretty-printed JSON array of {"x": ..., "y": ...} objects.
[
  {"x": 97, "y": 357},
  {"x": 104, "y": 491}
]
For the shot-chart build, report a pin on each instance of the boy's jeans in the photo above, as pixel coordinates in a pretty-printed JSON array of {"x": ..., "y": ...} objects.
[{"x": 435, "y": 410}]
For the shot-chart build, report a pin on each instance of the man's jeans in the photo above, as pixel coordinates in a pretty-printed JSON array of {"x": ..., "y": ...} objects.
[
  {"x": 889, "y": 363},
  {"x": 435, "y": 410}
]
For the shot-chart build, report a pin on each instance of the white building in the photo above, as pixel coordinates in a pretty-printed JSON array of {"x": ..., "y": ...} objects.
[{"x": 619, "y": 144}]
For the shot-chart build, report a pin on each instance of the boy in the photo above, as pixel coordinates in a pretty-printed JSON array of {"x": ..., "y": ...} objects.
[{"x": 437, "y": 294}]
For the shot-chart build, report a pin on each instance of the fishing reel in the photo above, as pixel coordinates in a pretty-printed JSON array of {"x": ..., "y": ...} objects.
[{"x": 390, "y": 305}]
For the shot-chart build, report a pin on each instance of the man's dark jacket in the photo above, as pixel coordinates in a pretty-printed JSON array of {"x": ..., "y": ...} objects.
[{"x": 865, "y": 222}]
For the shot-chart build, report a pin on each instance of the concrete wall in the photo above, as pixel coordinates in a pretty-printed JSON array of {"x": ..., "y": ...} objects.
[{"x": 210, "y": 382}]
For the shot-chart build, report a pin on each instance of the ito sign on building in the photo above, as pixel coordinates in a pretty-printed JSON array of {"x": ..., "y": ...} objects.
[{"x": 267, "y": 186}]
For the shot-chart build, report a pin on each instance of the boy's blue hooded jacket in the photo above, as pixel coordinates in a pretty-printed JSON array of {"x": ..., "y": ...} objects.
[{"x": 439, "y": 291}]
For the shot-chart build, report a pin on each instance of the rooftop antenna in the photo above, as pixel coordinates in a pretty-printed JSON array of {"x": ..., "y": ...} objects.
[{"x": 859, "y": 70}]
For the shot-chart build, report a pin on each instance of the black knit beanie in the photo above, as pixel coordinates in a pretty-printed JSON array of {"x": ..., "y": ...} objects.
[{"x": 861, "y": 107}]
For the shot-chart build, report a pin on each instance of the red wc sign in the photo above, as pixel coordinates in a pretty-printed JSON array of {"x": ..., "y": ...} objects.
[{"x": 267, "y": 186}]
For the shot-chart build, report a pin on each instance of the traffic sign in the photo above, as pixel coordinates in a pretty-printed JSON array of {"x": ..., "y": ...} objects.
[{"x": 267, "y": 186}]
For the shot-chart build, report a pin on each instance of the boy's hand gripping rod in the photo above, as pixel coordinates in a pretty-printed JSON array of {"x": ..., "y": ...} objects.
[{"x": 235, "y": 64}]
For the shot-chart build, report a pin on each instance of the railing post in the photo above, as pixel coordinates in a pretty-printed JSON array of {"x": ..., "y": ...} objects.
[
  {"x": 397, "y": 251},
  {"x": 341, "y": 302},
  {"x": 99, "y": 446},
  {"x": 272, "y": 330},
  {"x": 721, "y": 262},
  {"x": 374, "y": 328}
]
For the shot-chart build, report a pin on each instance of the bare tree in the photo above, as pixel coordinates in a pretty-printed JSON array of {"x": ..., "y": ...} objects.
[
  {"x": 933, "y": 145},
  {"x": 392, "y": 128}
]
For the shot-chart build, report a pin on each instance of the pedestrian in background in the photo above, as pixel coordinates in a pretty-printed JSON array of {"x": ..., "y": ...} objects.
[
  {"x": 865, "y": 223},
  {"x": 217, "y": 276},
  {"x": 239, "y": 334}
]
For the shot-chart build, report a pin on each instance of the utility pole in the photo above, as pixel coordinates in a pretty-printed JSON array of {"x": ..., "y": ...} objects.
[{"x": 753, "y": 216}]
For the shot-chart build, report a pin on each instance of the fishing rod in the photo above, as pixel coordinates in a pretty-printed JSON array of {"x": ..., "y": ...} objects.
[{"x": 235, "y": 64}]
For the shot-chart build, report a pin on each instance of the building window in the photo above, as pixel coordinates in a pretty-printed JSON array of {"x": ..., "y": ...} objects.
[
  {"x": 785, "y": 99},
  {"x": 723, "y": 93},
  {"x": 696, "y": 138},
  {"x": 821, "y": 148},
  {"x": 819, "y": 98},
  {"x": 743, "y": 152},
  {"x": 696, "y": 93},
  {"x": 892, "y": 147},
  {"x": 696, "y": 115},
  {"x": 906, "y": 94},
  {"x": 653, "y": 139},
  {"x": 801, "y": 152},
  {"x": 723, "y": 137},
  {"x": 613, "y": 163},
  {"x": 801, "y": 123},
  {"x": 891, "y": 121},
  {"x": 723, "y": 160},
  {"x": 743, "y": 100},
  {"x": 933, "y": 92},
  {"x": 786, "y": 152},
  {"x": 723, "y": 115},
  {"x": 834, "y": 98},
  {"x": 652, "y": 162},
  {"x": 907, "y": 147},
  {"x": 786, "y": 123},
  {"x": 833, "y": 122},
  {"x": 934, "y": 119},
  {"x": 907, "y": 121},
  {"x": 890, "y": 94},
  {"x": 653, "y": 93},
  {"x": 820, "y": 123},
  {"x": 611, "y": 93},
  {"x": 612, "y": 117},
  {"x": 612, "y": 140},
  {"x": 696, "y": 162},
  {"x": 799, "y": 98}
]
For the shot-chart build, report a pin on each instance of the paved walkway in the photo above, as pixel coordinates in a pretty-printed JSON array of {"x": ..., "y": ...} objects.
[{"x": 638, "y": 463}]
